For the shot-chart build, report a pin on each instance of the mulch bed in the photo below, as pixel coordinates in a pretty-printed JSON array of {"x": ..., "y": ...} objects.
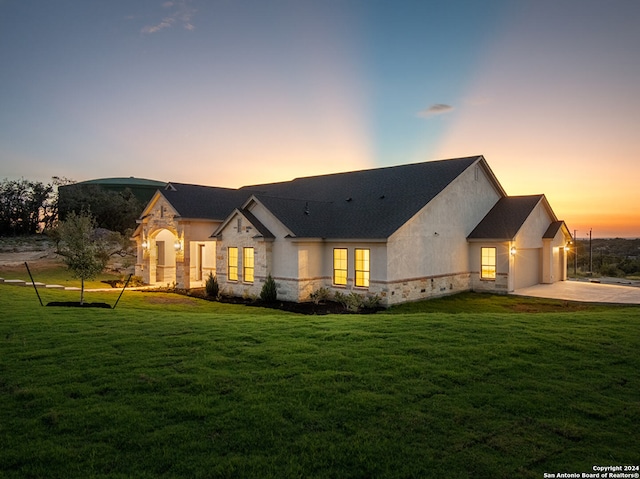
[
  {"x": 327, "y": 307},
  {"x": 76, "y": 304}
]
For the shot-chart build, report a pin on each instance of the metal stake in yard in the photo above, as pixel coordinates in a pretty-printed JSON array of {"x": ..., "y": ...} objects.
[
  {"x": 33, "y": 283},
  {"x": 123, "y": 288}
]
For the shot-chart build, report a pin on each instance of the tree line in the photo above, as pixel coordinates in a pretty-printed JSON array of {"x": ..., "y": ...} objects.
[
  {"x": 29, "y": 207},
  {"x": 88, "y": 224},
  {"x": 618, "y": 257},
  {"x": 26, "y": 207}
]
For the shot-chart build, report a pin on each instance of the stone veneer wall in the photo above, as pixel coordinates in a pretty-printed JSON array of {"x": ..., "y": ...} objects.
[
  {"x": 390, "y": 293},
  {"x": 261, "y": 262},
  {"x": 424, "y": 288},
  {"x": 500, "y": 285}
]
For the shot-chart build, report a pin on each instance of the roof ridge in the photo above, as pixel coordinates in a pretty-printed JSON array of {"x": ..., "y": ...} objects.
[
  {"x": 202, "y": 186},
  {"x": 364, "y": 170}
]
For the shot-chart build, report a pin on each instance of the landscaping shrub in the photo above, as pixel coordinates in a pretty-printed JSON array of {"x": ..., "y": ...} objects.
[
  {"x": 211, "y": 286},
  {"x": 269, "y": 292},
  {"x": 372, "y": 302},
  {"x": 355, "y": 303},
  {"x": 352, "y": 302},
  {"x": 320, "y": 295}
]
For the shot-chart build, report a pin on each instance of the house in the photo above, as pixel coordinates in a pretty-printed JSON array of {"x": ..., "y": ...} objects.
[{"x": 403, "y": 233}]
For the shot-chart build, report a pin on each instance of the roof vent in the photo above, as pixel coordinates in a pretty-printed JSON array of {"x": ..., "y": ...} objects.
[
  {"x": 381, "y": 197},
  {"x": 349, "y": 199},
  {"x": 306, "y": 208}
]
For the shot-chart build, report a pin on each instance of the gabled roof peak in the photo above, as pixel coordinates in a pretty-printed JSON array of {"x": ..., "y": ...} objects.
[{"x": 507, "y": 216}]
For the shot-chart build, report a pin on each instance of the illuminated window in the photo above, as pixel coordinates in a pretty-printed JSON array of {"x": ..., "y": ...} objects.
[
  {"x": 247, "y": 265},
  {"x": 362, "y": 268},
  {"x": 233, "y": 264},
  {"x": 488, "y": 263},
  {"x": 340, "y": 266}
]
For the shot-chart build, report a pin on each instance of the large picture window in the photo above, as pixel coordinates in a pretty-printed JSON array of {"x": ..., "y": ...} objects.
[
  {"x": 488, "y": 263},
  {"x": 362, "y": 267},
  {"x": 232, "y": 266},
  {"x": 340, "y": 266},
  {"x": 247, "y": 265}
]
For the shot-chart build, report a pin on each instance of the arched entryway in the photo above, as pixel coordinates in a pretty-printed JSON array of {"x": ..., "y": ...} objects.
[{"x": 163, "y": 257}]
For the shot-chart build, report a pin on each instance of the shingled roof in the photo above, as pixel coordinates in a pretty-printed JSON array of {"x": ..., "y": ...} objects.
[
  {"x": 366, "y": 204},
  {"x": 206, "y": 202},
  {"x": 553, "y": 229},
  {"x": 369, "y": 204},
  {"x": 506, "y": 218}
]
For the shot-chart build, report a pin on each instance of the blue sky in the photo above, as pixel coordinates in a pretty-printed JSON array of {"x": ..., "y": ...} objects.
[{"x": 236, "y": 92}]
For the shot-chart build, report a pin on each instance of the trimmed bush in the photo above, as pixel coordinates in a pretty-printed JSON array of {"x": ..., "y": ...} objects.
[
  {"x": 211, "y": 287},
  {"x": 269, "y": 292}
]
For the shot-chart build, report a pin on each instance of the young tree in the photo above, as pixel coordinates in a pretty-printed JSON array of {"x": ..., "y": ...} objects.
[{"x": 84, "y": 253}]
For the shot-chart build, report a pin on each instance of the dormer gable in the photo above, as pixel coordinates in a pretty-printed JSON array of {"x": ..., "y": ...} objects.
[{"x": 242, "y": 222}]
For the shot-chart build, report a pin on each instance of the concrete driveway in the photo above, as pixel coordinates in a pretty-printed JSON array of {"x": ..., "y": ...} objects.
[{"x": 584, "y": 291}]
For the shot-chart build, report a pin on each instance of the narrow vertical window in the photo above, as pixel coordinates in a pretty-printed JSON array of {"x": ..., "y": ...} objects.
[
  {"x": 488, "y": 263},
  {"x": 233, "y": 264},
  {"x": 247, "y": 265},
  {"x": 340, "y": 266},
  {"x": 362, "y": 267}
]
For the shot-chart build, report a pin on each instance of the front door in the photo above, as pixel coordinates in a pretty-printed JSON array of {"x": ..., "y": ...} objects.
[
  {"x": 199, "y": 261},
  {"x": 160, "y": 261}
]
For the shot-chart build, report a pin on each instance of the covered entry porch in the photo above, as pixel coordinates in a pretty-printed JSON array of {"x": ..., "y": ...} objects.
[{"x": 168, "y": 258}]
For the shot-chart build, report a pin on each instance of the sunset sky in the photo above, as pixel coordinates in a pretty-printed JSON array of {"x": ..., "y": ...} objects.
[{"x": 236, "y": 92}]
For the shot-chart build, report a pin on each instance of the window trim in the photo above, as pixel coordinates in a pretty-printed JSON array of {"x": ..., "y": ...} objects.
[
  {"x": 343, "y": 270},
  {"x": 488, "y": 268},
  {"x": 248, "y": 270},
  {"x": 365, "y": 268},
  {"x": 232, "y": 267}
]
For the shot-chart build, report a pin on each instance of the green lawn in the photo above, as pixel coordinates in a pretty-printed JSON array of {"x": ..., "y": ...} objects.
[
  {"x": 55, "y": 274},
  {"x": 173, "y": 386}
]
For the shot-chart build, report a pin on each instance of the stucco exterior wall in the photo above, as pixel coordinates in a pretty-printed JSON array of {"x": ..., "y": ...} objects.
[
  {"x": 531, "y": 233},
  {"x": 554, "y": 262},
  {"x": 527, "y": 269},
  {"x": 199, "y": 272},
  {"x": 192, "y": 233},
  {"x": 531, "y": 255},
  {"x": 305, "y": 269},
  {"x": 535, "y": 260},
  {"x": 429, "y": 255},
  {"x": 504, "y": 263},
  {"x": 286, "y": 264}
]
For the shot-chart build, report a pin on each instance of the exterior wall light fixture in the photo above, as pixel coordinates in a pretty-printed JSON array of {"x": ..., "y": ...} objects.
[
  {"x": 145, "y": 244},
  {"x": 177, "y": 245},
  {"x": 513, "y": 251}
]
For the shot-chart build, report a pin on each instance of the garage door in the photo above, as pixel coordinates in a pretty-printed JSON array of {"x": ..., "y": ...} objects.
[{"x": 527, "y": 267}]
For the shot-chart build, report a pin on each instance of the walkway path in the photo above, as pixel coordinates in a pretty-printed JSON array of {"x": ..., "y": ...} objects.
[
  {"x": 584, "y": 291},
  {"x": 21, "y": 282}
]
